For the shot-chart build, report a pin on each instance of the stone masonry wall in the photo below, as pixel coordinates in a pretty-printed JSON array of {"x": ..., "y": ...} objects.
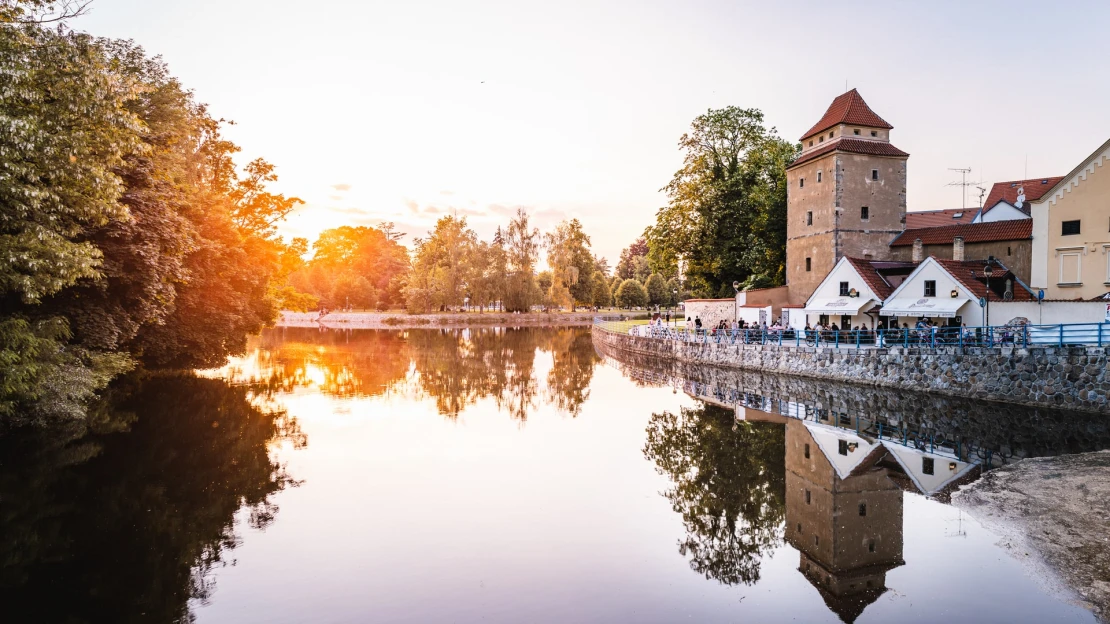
[{"x": 1075, "y": 378}]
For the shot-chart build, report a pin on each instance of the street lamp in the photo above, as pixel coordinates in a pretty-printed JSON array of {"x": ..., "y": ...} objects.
[
  {"x": 987, "y": 272},
  {"x": 674, "y": 305}
]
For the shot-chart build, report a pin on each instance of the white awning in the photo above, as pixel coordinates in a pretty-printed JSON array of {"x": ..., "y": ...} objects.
[
  {"x": 925, "y": 306},
  {"x": 837, "y": 305}
]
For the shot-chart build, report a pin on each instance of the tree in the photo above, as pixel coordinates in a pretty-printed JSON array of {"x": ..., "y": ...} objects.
[
  {"x": 626, "y": 266},
  {"x": 603, "y": 298},
  {"x": 345, "y": 255},
  {"x": 657, "y": 290},
  {"x": 572, "y": 265},
  {"x": 522, "y": 251},
  {"x": 631, "y": 294},
  {"x": 726, "y": 215},
  {"x": 442, "y": 266}
]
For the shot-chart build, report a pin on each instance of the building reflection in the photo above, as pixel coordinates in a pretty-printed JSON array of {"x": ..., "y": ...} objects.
[{"x": 840, "y": 504}]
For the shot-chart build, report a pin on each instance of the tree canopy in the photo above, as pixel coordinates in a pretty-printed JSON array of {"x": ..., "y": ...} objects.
[{"x": 725, "y": 219}]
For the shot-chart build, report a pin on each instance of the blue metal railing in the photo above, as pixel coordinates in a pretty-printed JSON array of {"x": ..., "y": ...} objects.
[{"x": 1076, "y": 334}]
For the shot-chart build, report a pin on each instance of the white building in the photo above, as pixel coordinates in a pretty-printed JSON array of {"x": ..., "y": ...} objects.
[{"x": 854, "y": 291}]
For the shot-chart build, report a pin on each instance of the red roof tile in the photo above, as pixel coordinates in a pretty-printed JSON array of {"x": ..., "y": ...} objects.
[
  {"x": 854, "y": 146},
  {"x": 939, "y": 218},
  {"x": 1018, "y": 229},
  {"x": 848, "y": 108},
  {"x": 868, "y": 271},
  {"x": 1008, "y": 191},
  {"x": 969, "y": 273}
]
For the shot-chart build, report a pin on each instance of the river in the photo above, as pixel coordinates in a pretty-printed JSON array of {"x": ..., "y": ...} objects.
[{"x": 511, "y": 475}]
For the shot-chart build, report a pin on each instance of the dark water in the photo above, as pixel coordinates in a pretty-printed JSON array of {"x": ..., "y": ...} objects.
[{"x": 512, "y": 476}]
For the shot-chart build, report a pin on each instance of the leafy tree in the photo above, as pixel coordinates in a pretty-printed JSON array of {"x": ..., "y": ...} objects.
[
  {"x": 626, "y": 266},
  {"x": 360, "y": 266},
  {"x": 631, "y": 294},
  {"x": 657, "y": 290},
  {"x": 603, "y": 298},
  {"x": 522, "y": 246},
  {"x": 726, "y": 215},
  {"x": 442, "y": 266},
  {"x": 572, "y": 265}
]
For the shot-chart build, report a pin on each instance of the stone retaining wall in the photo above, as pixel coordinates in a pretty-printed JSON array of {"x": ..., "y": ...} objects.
[{"x": 1075, "y": 378}]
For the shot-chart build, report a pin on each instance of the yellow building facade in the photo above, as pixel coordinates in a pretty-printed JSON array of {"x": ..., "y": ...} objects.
[{"x": 1071, "y": 232}]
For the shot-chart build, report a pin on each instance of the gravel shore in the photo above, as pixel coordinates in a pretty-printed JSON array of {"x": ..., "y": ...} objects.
[{"x": 1053, "y": 514}]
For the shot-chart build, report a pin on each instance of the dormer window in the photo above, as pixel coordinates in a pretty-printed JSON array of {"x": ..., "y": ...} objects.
[
  {"x": 811, "y": 143},
  {"x": 856, "y": 132},
  {"x": 830, "y": 135},
  {"x": 874, "y": 133},
  {"x": 1044, "y": 181},
  {"x": 821, "y": 139}
]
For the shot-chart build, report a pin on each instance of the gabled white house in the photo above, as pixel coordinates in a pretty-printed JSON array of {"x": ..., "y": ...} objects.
[
  {"x": 853, "y": 288},
  {"x": 1002, "y": 211},
  {"x": 932, "y": 291}
]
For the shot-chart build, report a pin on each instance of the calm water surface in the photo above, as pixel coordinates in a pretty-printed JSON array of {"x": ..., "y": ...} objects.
[{"x": 500, "y": 475}]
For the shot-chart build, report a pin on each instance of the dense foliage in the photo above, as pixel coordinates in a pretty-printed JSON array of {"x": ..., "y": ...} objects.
[
  {"x": 726, "y": 218},
  {"x": 128, "y": 235}
]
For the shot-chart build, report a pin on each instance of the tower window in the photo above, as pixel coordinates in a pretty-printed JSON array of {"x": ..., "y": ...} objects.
[
  {"x": 807, "y": 451},
  {"x": 870, "y": 548},
  {"x": 874, "y": 174},
  {"x": 807, "y": 497},
  {"x": 1067, "y": 228},
  {"x": 801, "y": 182},
  {"x": 818, "y": 176},
  {"x": 817, "y": 541},
  {"x": 927, "y": 465},
  {"x": 809, "y": 217},
  {"x": 856, "y": 132},
  {"x": 930, "y": 288},
  {"x": 864, "y": 213},
  {"x": 1007, "y": 251},
  {"x": 874, "y": 134},
  {"x": 843, "y": 289},
  {"x": 863, "y": 509},
  {"x": 809, "y": 264}
]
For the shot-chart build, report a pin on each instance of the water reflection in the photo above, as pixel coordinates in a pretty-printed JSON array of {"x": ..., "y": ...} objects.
[
  {"x": 453, "y": 367},
  {"x": 728, "y": 487},
  {"x": 129, "y": 526}
]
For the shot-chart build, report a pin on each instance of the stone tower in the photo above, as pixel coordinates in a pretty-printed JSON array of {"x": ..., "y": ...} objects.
[{"x": 846, "y": 194}]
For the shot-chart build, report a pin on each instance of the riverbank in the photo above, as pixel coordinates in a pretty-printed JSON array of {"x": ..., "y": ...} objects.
[
  {"x": 1073, "y": 378},
  {"x": 1052, "y": 512},
  {"x": 400, "y": 320}
]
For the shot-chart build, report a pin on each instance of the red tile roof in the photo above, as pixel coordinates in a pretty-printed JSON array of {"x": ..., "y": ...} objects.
[
  {"x": 969, "y": 273},
  {"x": 1018, "y": 229},
  {"x": 939, "y": 218},
  {"x": 1008, "y": 191},
  {"x": 848, "y": 108},
  {"x": 854, "y": 146},
  {"x": 868, "y": 271}
]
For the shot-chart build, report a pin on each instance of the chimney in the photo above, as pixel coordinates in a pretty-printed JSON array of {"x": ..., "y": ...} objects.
[
  {"x": 958, "y": 248},
  {"x": 918, "y": 250}
]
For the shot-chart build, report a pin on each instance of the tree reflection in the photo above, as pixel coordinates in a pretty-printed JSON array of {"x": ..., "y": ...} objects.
[
  {"x": 729, "y": 487},
  {"x": 453, "y": 367},
  {"x": 127, "y": 527}
]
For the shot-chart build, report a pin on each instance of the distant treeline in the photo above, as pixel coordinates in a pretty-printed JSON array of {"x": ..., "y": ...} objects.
[{"x": 128, "y": 236}]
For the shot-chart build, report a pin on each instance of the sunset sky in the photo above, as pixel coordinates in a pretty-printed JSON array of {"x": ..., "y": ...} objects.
[{"x": 405, "y": 111}]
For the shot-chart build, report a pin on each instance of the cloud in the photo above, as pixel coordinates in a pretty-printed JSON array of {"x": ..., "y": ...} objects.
[
  {"x": 335, "y": 197},
  {"x": 431, "y": 210},
  {"x": 447, "y": 192},
  {"x": 341, "y": 187},
  {"x": 413, "y": 207}
]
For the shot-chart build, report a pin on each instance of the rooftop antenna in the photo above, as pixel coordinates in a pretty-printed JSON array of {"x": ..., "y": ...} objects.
[
  {"x": 962, "y": 183},
  {"x": 982, "y": 192}
]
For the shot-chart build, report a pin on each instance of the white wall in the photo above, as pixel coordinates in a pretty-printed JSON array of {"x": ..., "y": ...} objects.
[
  {"x": 914, "y": 288},
  {"x": 1038, "y": 275},
  {"x": 830, "y": 289},
  {"x": 1001, "y": 212},
  {"x": 1048, "y": 312},
  {"x": 750, "y": 315}
]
